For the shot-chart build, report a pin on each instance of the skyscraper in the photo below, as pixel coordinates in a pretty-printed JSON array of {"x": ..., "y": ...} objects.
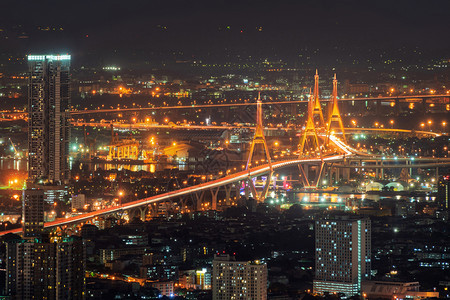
[
  {"x": 33, "y": 212},
  {"x": 43, "y": 268},
  {"x": 238, "y": 279},
  {"x": 343, "y": 251},
  {"x": 48, "y": 118},
  {"x": 39, "y": 266}
]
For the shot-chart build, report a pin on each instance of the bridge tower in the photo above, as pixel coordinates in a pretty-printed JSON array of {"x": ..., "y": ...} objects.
[
  {"x": 335, "y": 116},
  {"x": 309, "y": 141},
  {"x": 310, "y": 145},
  {"x": 259, "y": 138},
  {"x": 317, "y": 109}
]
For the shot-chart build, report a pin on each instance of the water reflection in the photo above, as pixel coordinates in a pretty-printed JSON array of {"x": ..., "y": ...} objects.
[
  {"x": 22, "y": 165},
  {"x": 333, "y": 198},
  {"x": 152, "y": 168},
  {"x": 13, "y": 164}
]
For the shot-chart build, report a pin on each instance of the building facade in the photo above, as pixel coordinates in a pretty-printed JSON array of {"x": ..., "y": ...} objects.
[
  {"x": 343, "y": 251},
  {"x": 38, "y": 268},
  {"x": 48, "y": 118},
  {"x": 238, "y": 279},
  {"x": 33, "y": 212}
]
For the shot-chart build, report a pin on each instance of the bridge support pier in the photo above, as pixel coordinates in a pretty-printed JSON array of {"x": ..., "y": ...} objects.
[
  {"x": 305, "y": 170},
  {"x": 319, "y": 176},
  {"x": 260, "y": 197},
  {"x": 214, "y": 193},
  {"x": 143, "y": 213},
  {"x": 199, "y": 197},
  {"x": 183, "y": 204},
  {"x": 329, "y": 174},
  {"x": 228, "y": 194},
  {"x": 153, "y": 208}
]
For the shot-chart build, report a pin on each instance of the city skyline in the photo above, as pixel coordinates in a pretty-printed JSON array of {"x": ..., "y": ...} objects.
[{"x": 224, "y": 150}]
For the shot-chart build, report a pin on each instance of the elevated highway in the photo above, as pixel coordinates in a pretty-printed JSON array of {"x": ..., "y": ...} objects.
[
  {"x": 263, "y": 169},
  {"x": 405, "y": 98},
  {"x": 146, "y": 126}
]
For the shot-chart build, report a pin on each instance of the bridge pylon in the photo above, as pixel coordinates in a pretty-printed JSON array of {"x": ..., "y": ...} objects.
[
  {"x": 309, "y": 140},
  {"x": 309, "y": 145},
  {"x": 335, "y": 116},
  {"x": 259, "y": 138},
  {"x": 317, "y": 109}
]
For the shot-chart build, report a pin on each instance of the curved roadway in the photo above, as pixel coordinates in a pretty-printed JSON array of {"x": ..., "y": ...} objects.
[{"x": 184, "y": 191}]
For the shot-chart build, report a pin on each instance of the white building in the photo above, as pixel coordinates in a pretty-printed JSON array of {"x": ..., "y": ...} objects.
[
  {"x": 342, "y": 255},
  {"x": 238, "y": 279},
  {"x": 78, "y": 201}
]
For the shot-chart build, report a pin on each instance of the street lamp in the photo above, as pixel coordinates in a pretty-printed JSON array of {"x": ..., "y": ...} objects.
[
  {"x": 392, "y": 123},
  {"x": 429, "y": 124},
  {"x": 444, "y": 124}
]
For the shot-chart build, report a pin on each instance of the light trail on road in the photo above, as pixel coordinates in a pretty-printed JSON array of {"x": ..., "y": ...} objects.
[
  {"x": 118, "y": 110},
  {"x": 181, "y": 192}
]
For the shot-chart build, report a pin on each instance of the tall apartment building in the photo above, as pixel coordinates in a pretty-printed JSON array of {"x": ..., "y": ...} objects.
[
  {"x": 343, "y": 251},
  {"x": 39, "y": 268},
  {"x": 33, "y": 212},
  {"x": 48, "y": 118},
  {"x": 238, "y": 279}
]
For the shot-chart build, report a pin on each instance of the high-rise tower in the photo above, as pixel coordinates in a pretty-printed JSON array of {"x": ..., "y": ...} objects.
[
  {"x": 33, "y": 212},
  {"x": 48, "y": 118},
  {"x": 343, "y": 251},
  {"x": 38, "y": 265}
]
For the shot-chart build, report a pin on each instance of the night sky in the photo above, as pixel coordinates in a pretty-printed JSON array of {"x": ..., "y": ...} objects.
[{"x": 263, "y": 27}]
